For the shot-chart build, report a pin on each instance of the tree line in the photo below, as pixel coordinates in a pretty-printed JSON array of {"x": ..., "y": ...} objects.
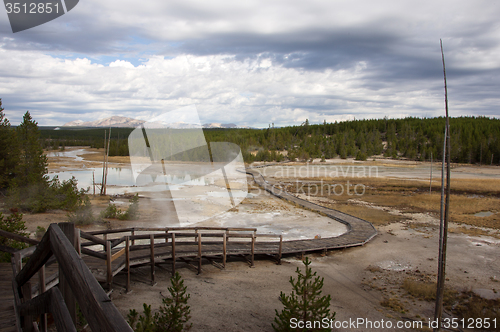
[
  {"x": 474, "y": 140},
  {"x": 24, "y": 183}
]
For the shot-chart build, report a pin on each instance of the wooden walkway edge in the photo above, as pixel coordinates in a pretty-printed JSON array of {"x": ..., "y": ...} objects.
[
  {"x": 160, "y": 248},
  {"x": 359, "y": 231},
  {"x": 170, "y": 245}
]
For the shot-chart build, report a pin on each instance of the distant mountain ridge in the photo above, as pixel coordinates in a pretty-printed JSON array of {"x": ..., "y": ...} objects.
[
  {"x": 113, "y": 121},
  {"x": 124, "y": 122}
]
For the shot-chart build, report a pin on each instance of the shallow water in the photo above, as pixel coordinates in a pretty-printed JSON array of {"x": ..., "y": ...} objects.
[
  {"x": 483, "y": 214},
  {"x": 70, "y": 153},
  {"x": 340, "y": 171}
]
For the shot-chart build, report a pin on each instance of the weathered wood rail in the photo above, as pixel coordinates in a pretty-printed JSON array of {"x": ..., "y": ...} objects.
[
  {"x": 76, "y": 284},
  {"x": 79, "y": 259},
  {"x": 170, "y": 245},
  {"x": 195, "y": 243}
]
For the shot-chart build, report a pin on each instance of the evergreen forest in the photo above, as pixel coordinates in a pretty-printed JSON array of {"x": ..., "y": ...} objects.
[{"x": 474, "y": 140}]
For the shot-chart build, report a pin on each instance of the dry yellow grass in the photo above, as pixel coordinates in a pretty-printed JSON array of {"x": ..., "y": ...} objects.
[
  {"x": 376, "y": 217},
  {"x": 99, "y": 156},
  {"x": 463, "y": 304},
  {"x": 470, "y": 186},
  {"x": 470, "y": 305},
  {"x": 393, "y": 304},
  {"x": 468, "y": 198},
  {"x": 473, "y": 231},
  {"x": 427, "y": 290}
]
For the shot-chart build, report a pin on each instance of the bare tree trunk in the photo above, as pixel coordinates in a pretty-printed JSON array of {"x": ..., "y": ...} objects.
[
  {"x": 107, "y": 154},
  {"x": 103, "y": 164},
  {"x": 443, "y": 233}
]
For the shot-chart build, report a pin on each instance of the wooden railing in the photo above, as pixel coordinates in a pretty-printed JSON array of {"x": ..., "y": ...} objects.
[
  {"x": 62, "y": 243},
  {"x": 76, "y": 285},
  {"x": 171, "y": 237}
]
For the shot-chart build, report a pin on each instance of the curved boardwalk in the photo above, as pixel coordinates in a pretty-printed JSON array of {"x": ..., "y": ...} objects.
[
  {"x": 359, "y": 231},
  {"x": 211, "y": 247}
]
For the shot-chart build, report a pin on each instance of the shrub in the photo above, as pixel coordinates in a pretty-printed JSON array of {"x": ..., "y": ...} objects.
[
  {"x": 66, "y": 194},
  {"x": 133, "y": 209},
  {"x": 305, "y": 303},
  {"x": 142, "y": 323},
  {"x": 174, "y": 312},
  {"x": 83, "y": 215},
  {"x": 110, "y": 212},
  {"x": 12, "y": 224},
  {"x": 132, "y": 212},
  {"x": 173, "y": 315},
  {"x": 40, "y": 231},
  {"x": 48, "y": 195}
]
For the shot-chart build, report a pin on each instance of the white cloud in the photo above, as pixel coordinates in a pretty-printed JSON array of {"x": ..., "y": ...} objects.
[
  {"x": 223, "y": 89},
  {"x": 254, "y": 62},
  {"x": 121, "y": 63}
]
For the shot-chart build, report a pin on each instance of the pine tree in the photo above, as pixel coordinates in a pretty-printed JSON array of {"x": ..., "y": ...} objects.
[
  {"x": 142, "y": 323},
  {"x": 8, "y": 150},
  {"x": 174, "y": 313},
  {"x": 13, "y": 224},
  {"x": 33, "y": 163},
  {"x": 305, "y": 303}
]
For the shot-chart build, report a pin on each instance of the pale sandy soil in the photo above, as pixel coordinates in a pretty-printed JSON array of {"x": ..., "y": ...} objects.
[{"x": 241, "y": 298}]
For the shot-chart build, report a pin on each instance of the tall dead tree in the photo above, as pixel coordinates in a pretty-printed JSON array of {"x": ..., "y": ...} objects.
[
  {"x": 430, "y": 178},
  {"x": 444, "y": 219},
  {"x": 107, "y": 155},
  {"x": 103, "y": 164}
]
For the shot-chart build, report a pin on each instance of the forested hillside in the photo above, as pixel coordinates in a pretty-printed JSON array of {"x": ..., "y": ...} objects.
[{"x": 474, "y": 140}]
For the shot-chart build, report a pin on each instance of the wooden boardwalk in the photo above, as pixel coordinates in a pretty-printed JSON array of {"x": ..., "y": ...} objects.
[
  {"x": 110, "y": 256},
  {"x": 214, "y": 250},
  {"x": 359, "y": 231},
  {"x": 7, "y": 314}
]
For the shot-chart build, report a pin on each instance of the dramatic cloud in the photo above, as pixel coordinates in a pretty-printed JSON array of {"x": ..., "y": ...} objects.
[{"x": 254, "y": 63}]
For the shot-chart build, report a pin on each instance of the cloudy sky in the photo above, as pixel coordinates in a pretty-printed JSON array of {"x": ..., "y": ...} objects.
[{"x": 254, "y": 62}]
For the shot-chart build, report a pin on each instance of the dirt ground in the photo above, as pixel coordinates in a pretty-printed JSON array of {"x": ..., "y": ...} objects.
[
  {"x": 364, "y": 282},
  {"x": 241, "y": 298}
]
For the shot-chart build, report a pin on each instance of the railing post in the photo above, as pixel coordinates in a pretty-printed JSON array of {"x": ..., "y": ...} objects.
[
  {"x": 68, "y": 229},
  {"x": 253, "y": 249},
  {"x": 27, "y": 321},
  {"x": 133, "y": 233},
  {"x": 173, "y": 254},
  {"x": 41, "y": 290},
  {"x": 166, "y": 237},
  {"x": 224, "y": 249},
  {"x": 109, "y": 268},
  {"x": 152, "y": 257},
  {"x": 78, "y": 242},
  {"x": 127, "y": 261},
  {"x": 105, "y": 238},
  {"x": 199, "y": 252},
  {"x": 281, "y": 246}
]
